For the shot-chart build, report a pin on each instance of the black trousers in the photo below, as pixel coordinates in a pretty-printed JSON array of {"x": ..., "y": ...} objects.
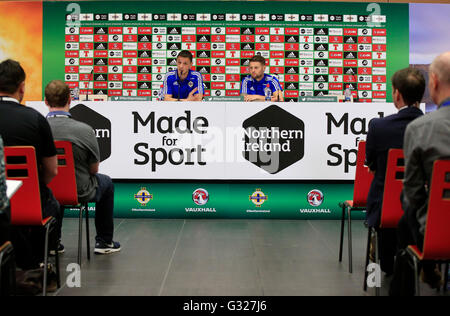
[
  {"x": 408, "y": 233},
  {"x": 28, "y": 242},
  {"x": 4, "y": 226},
  {"x": 387, "y": 241}
]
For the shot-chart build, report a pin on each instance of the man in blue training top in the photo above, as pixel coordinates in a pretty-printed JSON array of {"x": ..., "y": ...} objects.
[
  {"x": 183, "y": 84},
  {"x": 255, "y": 86}
]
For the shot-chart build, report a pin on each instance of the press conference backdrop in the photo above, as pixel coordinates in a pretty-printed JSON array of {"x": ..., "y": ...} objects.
[
  {"x": 125, "y": 48},
  {"x": 221, "y": 157}
]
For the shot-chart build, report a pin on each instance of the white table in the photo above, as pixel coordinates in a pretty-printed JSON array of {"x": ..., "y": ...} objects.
[{"x": 12, "y": 186}]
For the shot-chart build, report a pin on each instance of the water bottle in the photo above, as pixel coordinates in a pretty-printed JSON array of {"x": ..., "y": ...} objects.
[
  {"x": 268, "y": 93},
  {"x": 76, "y": 94},
  {"x": 161, "y": 93}
]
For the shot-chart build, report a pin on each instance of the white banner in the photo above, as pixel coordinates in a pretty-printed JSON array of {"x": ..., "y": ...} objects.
[{"x": 219, "y": 140}]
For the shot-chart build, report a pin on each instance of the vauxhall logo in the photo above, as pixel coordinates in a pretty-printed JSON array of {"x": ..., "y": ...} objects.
[
  {"x": 100, "y": 124},
  {"x": 274, "y": 139}
]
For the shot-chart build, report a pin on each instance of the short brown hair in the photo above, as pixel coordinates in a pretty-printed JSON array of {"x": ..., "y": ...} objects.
[
  {"x": 258, "y": 59},
  {"x": 410, "y": 83},
  {"x": 185, "y": 54},
  {"x": 57, "y": 93},
  {"x": 11, "y": 76}
]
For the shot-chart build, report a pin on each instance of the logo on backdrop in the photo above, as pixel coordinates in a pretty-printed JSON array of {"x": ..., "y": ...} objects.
[
  {"x": 166, "y": 131},
  {"x": 274, "y": 139},
  {"x": 258, "y": 198},
  {"x": 200, "y": 196},
  {"x": 315, "y": 197},
  {"x": 100, "y": 124},
  {"x": 143, "y": 196}
]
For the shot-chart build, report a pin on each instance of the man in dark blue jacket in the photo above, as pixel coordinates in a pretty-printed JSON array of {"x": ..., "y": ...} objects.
[{"x": 408, "y": 86}]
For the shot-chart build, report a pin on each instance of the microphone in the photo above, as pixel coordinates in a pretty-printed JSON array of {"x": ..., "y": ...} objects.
[
  {"x": 179, "y": 84},
  {"x": 91, "y": 76}
]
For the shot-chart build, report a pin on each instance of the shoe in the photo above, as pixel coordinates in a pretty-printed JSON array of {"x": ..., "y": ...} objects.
[
  {"x": 103, "y": 248},
  {"x": 52, "y": 284},
  {"x": 61, "y": 250},
  {"x": 434, "y": 280}
]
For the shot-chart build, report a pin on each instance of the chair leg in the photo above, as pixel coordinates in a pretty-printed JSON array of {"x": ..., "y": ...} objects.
[
  {"x": 80, "y": 235},
  {"x": 446, "y": 277},
  {"x": 58, "y": 276},
  {"x": 87, "y": 233},
  {"x": 3, "y": 292},
  {"x": 350, "y": 263},
  {"x": 366, "y": 273},
  {"x": 13, "y": 274},
  {"x": 341, "y": 242},
  {"x": 377, "y": 257},
  {"x": 46, "y": 250},
  {"x": 416, "y": 275}
]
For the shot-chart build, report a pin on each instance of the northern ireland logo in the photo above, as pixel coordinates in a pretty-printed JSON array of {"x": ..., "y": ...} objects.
[
  {"x": 258, "y": 198},
  {"x": 100, "y": 124},
  {"x": 274, "y": 139},
  {"x": 143, "y": 196}
]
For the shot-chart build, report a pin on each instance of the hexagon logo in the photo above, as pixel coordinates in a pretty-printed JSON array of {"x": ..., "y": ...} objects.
[
  {"x": 274, "y": 139},
  {"x": 100, "y": 124}
]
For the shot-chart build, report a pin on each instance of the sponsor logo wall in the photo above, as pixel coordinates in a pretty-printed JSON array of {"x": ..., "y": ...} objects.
[{"x": 314, "y": 50}]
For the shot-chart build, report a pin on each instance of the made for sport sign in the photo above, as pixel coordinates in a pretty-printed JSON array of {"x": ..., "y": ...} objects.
[
  {"x": 228, "y": 141},
  {"x": 315, "y": 49}
]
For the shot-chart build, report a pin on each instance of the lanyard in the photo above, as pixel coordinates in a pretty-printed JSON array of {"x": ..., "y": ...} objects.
[{"x": 59, "y": 114}]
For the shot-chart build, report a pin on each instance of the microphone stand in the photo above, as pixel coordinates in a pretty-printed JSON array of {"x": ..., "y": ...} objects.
[{"x": 90, "y": 79}]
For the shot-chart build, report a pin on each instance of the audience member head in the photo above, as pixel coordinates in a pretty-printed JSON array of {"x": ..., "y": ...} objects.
[
  {"x": 408, "y": 87},
  {"x": 257, "y": 67},
  {"x": 12, "y": 79},
  {"x": 57, "y": 94},
  {"x": 439, "y": 78}
]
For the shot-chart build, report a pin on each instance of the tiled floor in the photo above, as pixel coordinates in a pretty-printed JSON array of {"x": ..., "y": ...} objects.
[{"x": 221, "y": 257}]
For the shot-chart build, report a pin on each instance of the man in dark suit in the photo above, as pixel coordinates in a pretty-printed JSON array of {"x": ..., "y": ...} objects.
[
  {"x": 408, "y": 86},
  {"x": 427, "y": 139}
]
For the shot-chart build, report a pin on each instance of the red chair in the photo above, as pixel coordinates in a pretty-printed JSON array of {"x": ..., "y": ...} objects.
[
  {"x": 363, "y": 179},
  {"x": 436, "y": 243},
  {"x": 391, "y": 209},
  {"x": 20, "y": 164},
  {"x": 64, "y": 188},
  {"x": 7, "y": 263}
]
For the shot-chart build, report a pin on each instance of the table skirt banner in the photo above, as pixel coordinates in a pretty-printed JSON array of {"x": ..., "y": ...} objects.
[
  {"x": 200, "y": 200},
  {"x": 228, "y": 141}
]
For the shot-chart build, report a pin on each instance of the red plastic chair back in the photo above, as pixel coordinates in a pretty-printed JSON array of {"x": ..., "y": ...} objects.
[
  {"x": 64, "y": 185},
  {"x": 437, "y": 233},
  {"x": 20, "y": 164},
  {"x": 392, "y": 210},
  {"x": 363, "y": 177}
]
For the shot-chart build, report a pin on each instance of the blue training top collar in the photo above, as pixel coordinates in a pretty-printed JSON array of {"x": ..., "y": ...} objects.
[{"x": 59, "y": 114}]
